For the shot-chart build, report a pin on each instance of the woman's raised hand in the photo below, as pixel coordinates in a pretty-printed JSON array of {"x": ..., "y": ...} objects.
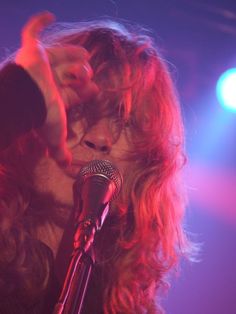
[{"x": 64, "y": 77}]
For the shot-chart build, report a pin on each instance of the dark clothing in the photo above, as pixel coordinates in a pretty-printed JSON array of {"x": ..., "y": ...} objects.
[
  {"x": 23, "y": 108},
  {"x": 22, "y": 104}
]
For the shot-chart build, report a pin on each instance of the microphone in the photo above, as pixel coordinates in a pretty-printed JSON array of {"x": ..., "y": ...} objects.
[{"x": 97, "y": 184}]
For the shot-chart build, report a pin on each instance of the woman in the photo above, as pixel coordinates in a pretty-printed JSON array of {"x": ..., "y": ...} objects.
[{"x": 101, "y": 91}]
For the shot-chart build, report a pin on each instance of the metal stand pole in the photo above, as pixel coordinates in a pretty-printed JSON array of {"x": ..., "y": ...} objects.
[{"x": 79, "y": 270}]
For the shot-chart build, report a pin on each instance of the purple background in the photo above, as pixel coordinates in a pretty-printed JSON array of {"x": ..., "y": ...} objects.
[{"x": 198, "y": 38}]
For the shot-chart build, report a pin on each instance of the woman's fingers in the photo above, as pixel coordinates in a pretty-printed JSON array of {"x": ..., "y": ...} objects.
[
  {"x": 33, "y": 28},
  {"x": 64, "y": 76},
  {"x": 75, "y": 83},
  {"x": 67, "y": 53},
  {"x": 78, "y": 73},
  {"x": 86, "y": 91},
  {"x": 33, "y": 57}
]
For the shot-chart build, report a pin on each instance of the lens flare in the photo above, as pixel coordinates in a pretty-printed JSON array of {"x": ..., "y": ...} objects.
[{"x": 226, "y": 89}]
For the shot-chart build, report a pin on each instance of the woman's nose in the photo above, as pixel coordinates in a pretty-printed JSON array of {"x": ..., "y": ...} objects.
[{"x": 99, "y": 137}]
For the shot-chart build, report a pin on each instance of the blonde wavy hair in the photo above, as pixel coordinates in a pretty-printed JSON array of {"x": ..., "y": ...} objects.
[{"x": 146, "y": 225}]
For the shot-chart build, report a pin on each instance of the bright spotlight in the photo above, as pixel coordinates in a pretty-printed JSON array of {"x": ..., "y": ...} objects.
[{"x": 226, "y": 89}]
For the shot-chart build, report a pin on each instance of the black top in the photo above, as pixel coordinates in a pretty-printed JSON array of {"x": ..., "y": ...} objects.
[
  {"x": 23, "y": 108},
  {"x": 22, "y": 104}
]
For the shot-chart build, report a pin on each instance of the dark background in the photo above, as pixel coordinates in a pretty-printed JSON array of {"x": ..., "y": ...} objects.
[{"x": 198, "y": 39}]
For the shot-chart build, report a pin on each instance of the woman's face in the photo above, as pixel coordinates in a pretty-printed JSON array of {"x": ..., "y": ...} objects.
[{"x": 103, "y": 140}]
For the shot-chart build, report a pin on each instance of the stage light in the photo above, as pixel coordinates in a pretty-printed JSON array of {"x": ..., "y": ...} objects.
[{"x": 226, "y": 89}]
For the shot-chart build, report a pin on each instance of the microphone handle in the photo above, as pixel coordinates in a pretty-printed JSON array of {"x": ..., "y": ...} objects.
[
  {"x": 91, "y": 206},
  {"x": 80, "y": 267},
  {"x": 75, "y": 284}
]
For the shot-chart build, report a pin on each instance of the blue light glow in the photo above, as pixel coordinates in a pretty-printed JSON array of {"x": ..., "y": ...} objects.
[{"x": 226, "y": 89}]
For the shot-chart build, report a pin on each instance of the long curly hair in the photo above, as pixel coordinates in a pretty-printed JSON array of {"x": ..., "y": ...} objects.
[{"x": 145, "y": 223}]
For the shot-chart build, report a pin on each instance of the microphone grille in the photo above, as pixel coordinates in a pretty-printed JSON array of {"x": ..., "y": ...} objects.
[{"x": 103, "y": 168}]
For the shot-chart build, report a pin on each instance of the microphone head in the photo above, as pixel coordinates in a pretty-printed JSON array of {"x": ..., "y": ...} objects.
[{"x": 102, "y": 168}]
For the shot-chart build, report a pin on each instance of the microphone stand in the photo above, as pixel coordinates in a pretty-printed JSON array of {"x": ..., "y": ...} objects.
[
  {"x": 97, "y": 184},
  {"x": 80, "y": 267}
]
